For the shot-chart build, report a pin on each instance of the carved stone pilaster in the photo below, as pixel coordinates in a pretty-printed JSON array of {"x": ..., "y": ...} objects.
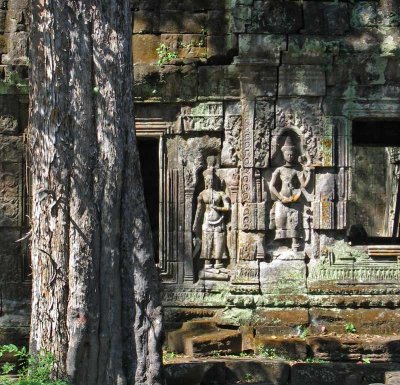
[
  {"x": 247, "y": 186},
  {"x": 188, "y": 250},
  {"x": 247, "y": 135},
  {"x": 264, "y": 124},
  {"x": 10, "y": 194},
  {"x": 323, "y": 205}
]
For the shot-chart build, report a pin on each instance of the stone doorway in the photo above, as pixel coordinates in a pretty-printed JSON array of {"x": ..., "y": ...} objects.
[
  {"x": 150, "y": 168},
  {"x": 375, "y": 181}
]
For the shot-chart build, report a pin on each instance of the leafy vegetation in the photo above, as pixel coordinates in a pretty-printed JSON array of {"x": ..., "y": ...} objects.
[
  {"x": 29, "y": 370},
  {"x": 350, "y": 328},
  {"x": 165, "y": 54},
  {"x": 265, "y": 352},
  {"x": 303, "y": 332}
]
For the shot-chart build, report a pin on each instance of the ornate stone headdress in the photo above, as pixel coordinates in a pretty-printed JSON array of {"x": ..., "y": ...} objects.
[
  {"x": 210, "y": 171},
  {"x": 288, "y": 145}
]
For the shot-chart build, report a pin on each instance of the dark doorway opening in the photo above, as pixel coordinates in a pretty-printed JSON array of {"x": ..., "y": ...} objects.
[
  {"x": 375, "y": 204},
  {"x": 149, "y": 164}
]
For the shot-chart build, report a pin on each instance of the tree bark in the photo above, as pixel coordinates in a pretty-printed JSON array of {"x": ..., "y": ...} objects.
[{"x": 95, "y": 300}]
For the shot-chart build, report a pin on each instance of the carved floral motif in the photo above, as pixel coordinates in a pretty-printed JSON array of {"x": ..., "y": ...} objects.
[{"x": 311, "y": 125}]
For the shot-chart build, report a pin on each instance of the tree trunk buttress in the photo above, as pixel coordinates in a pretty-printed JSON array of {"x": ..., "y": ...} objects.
[{"x": 95, "y": 300}]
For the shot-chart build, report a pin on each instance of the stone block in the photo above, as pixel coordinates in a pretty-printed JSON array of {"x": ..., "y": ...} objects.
[
  {"x": 258, "y": 81},
  {"x": 10, "y": 194},
  {"x": 286, "y": 348},
  {"x": 263, "y": 372},
  {"x": 283, "y": 276},
  {"x": 179, "y": 315},
  {"x": 10, "y": 256},
  {"x": 392, "y": 71},
  {"x": 11, "y": 149},
  {"x": 217, "y": 22},
  {"x": 278, "y": 321},
  {"x": 176, "y": 339},
  {"x": 17, "y": 4},
  {"x": 276, "y": 16},
  {"x": 392, "y": 378},
  {"x": 204, "y": 338},
  {"x": 18, "y": 336},
  {"x": 339, "y": 373},
  {"x": 221, "y": 48},
  {"x": 219, "y": 82},
  {"x": 371, "y": 321},
  {"x": 167, "y": 83},
  {"x": 261, "y": 48},
  {"x": 355, "y": 348},
  {"x": 145, "y": 22},
  {"x": 252, "y": 216},
  {"x": 144, "y": 48},
  {"x": 225, "y": 342},
  {"x": 310, "y": 50},
  {"x": 3, "y": 15},
  {"x": 182, "y": 22},
  {"x": 240, "y": 17},
  {"x": 195, "y": 373},
  {"x": 303, "y": 80},
  {"x": 8, "y": 124},
  {"x": 186, "y": 46},
  {"x": 139, "y": 5},
  {"x": 203, "y": 117},
  {"x": 15, "y": 21},
  {"x": 3, "y": 44},
  {"x": 196, "y": 6},
  {"x": 246, "y": 276},
  {"x": 17, "y": 52},
  {"x": 362, "y": 69},
  {"x": 325, "y": 18},
  {"x": 364, "y": 14},
  {"x": 227, "y": 371}
]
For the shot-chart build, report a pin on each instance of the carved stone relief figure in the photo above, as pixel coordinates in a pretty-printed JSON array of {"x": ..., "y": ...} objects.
[
  {"x": 287, "y": 185},
  {"x": 209, "y": 225}
]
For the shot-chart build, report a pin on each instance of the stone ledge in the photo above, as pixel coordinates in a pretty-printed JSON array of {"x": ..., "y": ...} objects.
[{"x": 231, "y": 371}]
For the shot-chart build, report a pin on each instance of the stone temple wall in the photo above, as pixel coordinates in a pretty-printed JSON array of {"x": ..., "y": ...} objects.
[
  {"x": 254, "y": 104},
  {"x": 14, "y": 207},
  {"x": 264, "y": 200}
]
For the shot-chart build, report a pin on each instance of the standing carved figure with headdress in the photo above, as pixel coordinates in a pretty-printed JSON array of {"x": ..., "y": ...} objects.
[
  {"x": 287, "y": 185},
  {"x": 212, "y": 205}
]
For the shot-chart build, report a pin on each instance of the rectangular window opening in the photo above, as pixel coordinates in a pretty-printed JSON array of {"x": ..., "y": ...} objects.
[
  {"x": 149, "y": 163},
  {"x": 375, "y": 200}
]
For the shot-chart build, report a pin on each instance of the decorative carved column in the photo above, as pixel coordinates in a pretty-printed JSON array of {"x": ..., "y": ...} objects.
[{"x": 188, "y": 237}]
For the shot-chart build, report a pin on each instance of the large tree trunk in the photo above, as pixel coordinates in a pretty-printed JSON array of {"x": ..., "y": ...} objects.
[{"x": 95, "y": 295}]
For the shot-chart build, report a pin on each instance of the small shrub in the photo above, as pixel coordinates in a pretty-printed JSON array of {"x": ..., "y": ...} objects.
[
  {"x": 314, "y": 360},
  {"x": 265, "y": 352},
  {"x": 350, "y": 328},
  {"x": 165, "y": 54},
  {"x": 30, "y": 370},
  {"x": 248, "y": 377},
  {"x": 303, "y": 332}
]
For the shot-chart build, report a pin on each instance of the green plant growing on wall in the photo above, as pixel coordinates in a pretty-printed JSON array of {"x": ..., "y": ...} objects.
[
  {"x": 303, "y": 332},
  {"x": 248, "y": 377},
  {"x": 165, "y": 54},
  {"x": 314, "y": 360},
  {"x": 350, "y": 328},
  {"x": 215, "y": 354},
  {"x": 266, "y": 352},
  {"x": 30, "y": 370},
  {"x": 14, "y": 79}
]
